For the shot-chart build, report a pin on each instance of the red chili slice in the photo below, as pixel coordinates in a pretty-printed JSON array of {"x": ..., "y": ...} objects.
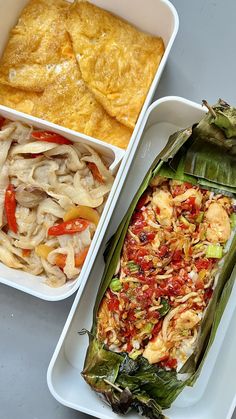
[
  {"x": 203, "y": 264},
  {"x": 177, "y": 256},
  {"x": 157, "y": 329},
  {"x": 208, "y": 294},
  {"x": 170, "y": 287},
  {"x": 68, "y": 227},
  {"x": 113, "y": 304},
  {"x": 129, "y": 347},
  {"x": 199, "y": 284},
  {"x": 50, "y": 137},
  {"x": 170, "y": 363},
  {"x": 139, "y": 259},
  {"x": 138, "y": 226},
  {"x": 189, "y": 204},
  {"x": 146, "y": 237},
  {"x": 180, "y": 189},
  {"x": 10, "y": 208},
  {"x": 183, "y": 226},
  {"x": 142, "y": 201},
  {"x": 137, "y": 216},
  {"x": 163, "y": 250},
  {"x": 126, "y": 286}
]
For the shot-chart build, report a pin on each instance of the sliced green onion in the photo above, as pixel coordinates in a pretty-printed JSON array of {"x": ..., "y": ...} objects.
[
  {"x": 214, "y": 251},
  {"x": 134, "y": 355},
  {"x": 133, "y": 267},
  {"x": 165, "y": 307},
  {"x": 233, "y": 220},
  {"x": 199, "y": 217},
  {"x": 198, "y": 245},
  {"x": 147, "y": 328},
  {"x": 184, "y": 220},
  {"x": 115, "y": 285}
]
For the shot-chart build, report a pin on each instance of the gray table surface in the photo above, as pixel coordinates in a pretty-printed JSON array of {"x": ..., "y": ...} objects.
[{"x": 202, "y": 64}]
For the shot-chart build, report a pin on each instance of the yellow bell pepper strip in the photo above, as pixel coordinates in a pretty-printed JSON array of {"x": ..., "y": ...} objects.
[
  {"x": 81, "y": 211},
  {"x": 43, "y": 250}
]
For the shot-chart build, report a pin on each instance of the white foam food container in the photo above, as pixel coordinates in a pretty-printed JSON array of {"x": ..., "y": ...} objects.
[
  {"x": 214, "y": 394},
  {"x": 157, "y": 17},
  {"x": 33, "y": 284}
]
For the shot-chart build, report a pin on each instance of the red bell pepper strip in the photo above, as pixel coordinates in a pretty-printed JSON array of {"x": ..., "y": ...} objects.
[
  {"x": 96, "y": 174},
  {"x": 50, "y": 137},
  {"x": 68, "y": 227},
  {"x": 10, "y": 208}
]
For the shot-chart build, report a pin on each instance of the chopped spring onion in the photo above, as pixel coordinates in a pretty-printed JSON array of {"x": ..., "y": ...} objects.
[
  {"x": 133, "y": 267},
  {"x": 165, "y": 307},
  {"x": 147, "y": 328},
  {"x": 233, "y": 220},
  {"x": 184, "y": 220},
  {"x": 134, "y": 355},
  {"x": 199, "y": 217},
  {"x": 198, "y": 246},
  {"x": 115, "y": 285},
  {"x": 214, "y": 251}
]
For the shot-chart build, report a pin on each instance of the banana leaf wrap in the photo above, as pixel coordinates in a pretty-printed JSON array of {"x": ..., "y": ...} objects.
[{"x": 205, "y": 155}]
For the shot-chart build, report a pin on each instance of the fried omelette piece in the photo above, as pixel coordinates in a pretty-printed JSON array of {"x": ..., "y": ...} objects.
[
  {"x": 18, "y": 99},
  {"x": 69, "y": 102},
  {"x": 117, "y": 61},
  {"x": 45, "y": 79},
  {"x": 37, "y": 44}
]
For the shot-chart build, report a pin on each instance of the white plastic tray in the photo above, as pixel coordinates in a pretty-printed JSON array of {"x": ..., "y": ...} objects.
[
  {"x": 213, "y": 396},
  {"x": 158, "y": 17}
]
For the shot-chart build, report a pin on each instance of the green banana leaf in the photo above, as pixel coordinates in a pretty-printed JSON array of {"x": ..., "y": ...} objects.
[
  {"x": 135, "y": 384},
  {"x": 213, "y": 138},
  {"x": 204, "y": 160},
  {"x": 224, "y": 118}
]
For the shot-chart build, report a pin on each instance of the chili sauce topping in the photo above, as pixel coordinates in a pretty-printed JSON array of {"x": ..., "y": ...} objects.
[{"x": 168, "y": 268}]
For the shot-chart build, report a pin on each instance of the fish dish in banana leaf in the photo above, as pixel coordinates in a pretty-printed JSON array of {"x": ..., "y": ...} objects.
[{"x": 168, "y": 270}]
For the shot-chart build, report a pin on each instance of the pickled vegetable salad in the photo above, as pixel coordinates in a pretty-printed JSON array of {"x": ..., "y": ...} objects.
[
  {"x": 167, "y": 272},
  {"x": 52, "y": 192}
]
